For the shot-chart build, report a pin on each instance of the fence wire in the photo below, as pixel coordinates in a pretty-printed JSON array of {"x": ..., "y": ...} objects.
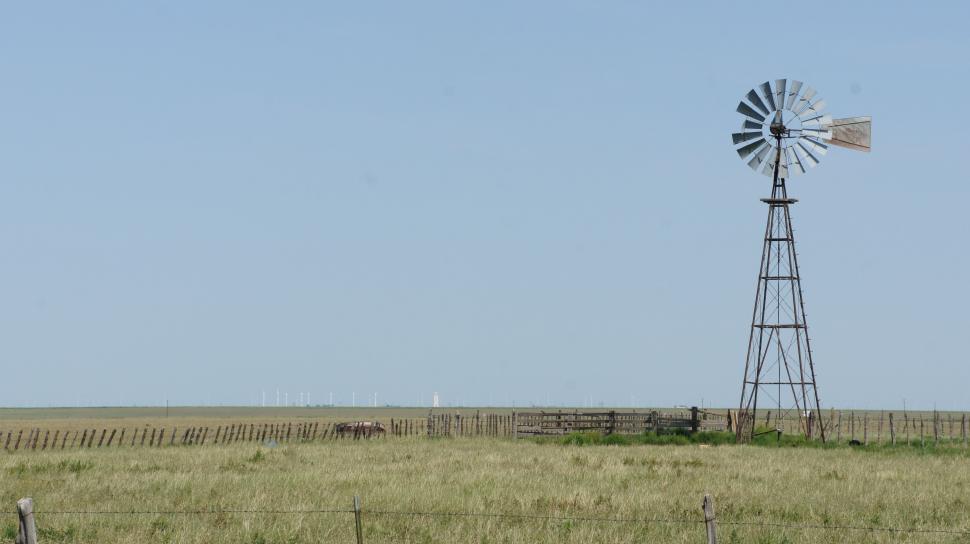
[
  {"x": 190, "y": 512},
  {"x": 513, "y": 516},
  {"x": 869, "y": 528}
]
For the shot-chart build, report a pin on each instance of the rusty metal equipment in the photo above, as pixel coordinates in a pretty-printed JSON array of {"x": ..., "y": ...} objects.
[{"x": 784, "y": 131}]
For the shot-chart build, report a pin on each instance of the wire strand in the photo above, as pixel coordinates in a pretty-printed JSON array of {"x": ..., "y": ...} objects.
[
  {"x": 870, "y": 528},
  {"x": 497, "y": 515},
  {"x": 190, "y": 512},
  {"x": 530, "y": 517}
]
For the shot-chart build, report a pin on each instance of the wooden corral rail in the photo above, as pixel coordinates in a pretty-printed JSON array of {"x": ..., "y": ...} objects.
[{"x": 613, "y": 422}]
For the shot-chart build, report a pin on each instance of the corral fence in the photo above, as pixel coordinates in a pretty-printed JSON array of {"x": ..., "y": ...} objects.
[
  {"x": 27, "y": 520},
  {"x": 613, "y": 422}
]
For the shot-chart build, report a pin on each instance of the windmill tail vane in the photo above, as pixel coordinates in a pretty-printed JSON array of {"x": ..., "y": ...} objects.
[{"x": 784, "y": 131}]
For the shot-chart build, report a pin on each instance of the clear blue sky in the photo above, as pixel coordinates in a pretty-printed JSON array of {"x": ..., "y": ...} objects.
[{"x": 499, "y": 201}]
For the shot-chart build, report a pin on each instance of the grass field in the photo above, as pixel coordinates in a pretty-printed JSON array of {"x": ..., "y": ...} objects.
[{"x": 883, "y": 487}]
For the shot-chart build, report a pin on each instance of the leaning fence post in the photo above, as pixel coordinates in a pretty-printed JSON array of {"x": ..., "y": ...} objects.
[
  {"x": 28, "y": 530},
  {"x": 360, "y": 532},
  {"x": 709, "y": 519}
]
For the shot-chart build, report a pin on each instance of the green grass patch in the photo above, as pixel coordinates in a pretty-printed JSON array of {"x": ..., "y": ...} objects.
[
  {"x": 763, "y": 439},
  {"x": 663, "y": 438}
]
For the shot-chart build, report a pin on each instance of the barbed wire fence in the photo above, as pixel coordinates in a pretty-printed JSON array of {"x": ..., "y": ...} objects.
[{"x": 27, "y": 533}]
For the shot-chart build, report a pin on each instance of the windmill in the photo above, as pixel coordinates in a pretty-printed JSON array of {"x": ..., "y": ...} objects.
[{"x": 785, "y": 131}]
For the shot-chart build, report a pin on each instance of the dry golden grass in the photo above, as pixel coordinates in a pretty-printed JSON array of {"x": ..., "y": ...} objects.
[{"x": 901, "y": 488}]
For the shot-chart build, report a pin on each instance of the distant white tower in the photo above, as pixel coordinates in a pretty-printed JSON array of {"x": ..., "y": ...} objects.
[
  {"x": 277, "y": 398},
  {"x": 434, "y": 400},
  {"x": 264, "y": 399},
  {"x": 353, "y": 399},
  {"x": 286, "y": 399},
  {"x": 375, "y": 399}
]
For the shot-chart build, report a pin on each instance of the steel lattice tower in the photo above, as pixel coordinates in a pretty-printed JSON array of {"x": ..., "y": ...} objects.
[{"x": 779, "y": 367}]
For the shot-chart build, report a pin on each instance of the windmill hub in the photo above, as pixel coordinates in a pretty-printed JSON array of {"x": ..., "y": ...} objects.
[{"x": 784, "y": 131}]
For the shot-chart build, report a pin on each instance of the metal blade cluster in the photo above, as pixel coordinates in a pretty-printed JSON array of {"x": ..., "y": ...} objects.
[{"x": 807, "y": 128}]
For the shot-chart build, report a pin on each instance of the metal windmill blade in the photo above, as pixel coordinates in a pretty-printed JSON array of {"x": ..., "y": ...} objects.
[
  {"x": 785, "y": 129},
  {"x": 793, "y": 94}
]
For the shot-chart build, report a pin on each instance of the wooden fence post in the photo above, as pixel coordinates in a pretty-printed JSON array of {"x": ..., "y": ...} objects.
[
  {"x": 27, "y": 533},
  {"x": 360, "y": 532},
  {"x": 515, "y": 425},
  {"x": 963, "y": 429},
  {"x": 709, "y": 519},
  {"x": 892, "y": 429},
  {"x": 865, "y": 429}
]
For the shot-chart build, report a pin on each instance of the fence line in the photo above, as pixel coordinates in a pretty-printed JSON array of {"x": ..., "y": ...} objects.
[
  {"x": 27, "y": 519},
  {"x": 511, "y": 425},
  {"x": 840, "y": 426},
  {"x": 868, "y": 427}
]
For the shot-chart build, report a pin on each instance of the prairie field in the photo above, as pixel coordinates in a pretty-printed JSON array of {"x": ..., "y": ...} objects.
[{"x": 416, "y": 489}]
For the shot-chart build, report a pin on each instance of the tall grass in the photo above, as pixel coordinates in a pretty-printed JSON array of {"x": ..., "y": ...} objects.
[{"x": 565, "y": 479}]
